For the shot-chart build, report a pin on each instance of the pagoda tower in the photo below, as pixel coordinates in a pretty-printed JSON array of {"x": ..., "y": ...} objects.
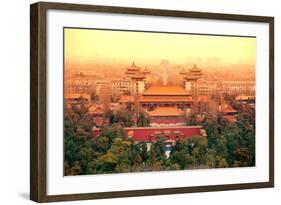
[
  {"x": 191, "y": 77},
  {"x": 137, "y": 75},
  {"x": 196, "y": 72},
  {"x": 133, "y": 69}
]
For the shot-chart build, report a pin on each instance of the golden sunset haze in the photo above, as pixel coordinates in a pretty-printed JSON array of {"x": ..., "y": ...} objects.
[{"x": 92, "y": 45}]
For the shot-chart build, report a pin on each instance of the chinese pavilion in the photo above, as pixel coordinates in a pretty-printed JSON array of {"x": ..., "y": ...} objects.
[
  {"x": 135, "y": 73},
  {"x": 229, "y": 113},
  {"x": 190, "y": 78},
  {"x": 165, "y": 96},
  {"x": 96, "y": 112},
  {"x": 192, "y": 75}
]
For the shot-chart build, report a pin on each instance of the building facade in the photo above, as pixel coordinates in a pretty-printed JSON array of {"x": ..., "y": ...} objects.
[
  {"x": 238, "y": 87},
  {"x": 204, "y": 88},
  {"x": 124, "y": 87}
]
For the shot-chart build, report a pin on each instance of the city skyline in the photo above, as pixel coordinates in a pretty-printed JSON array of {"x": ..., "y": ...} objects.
[{"x": 90, "y": 46}]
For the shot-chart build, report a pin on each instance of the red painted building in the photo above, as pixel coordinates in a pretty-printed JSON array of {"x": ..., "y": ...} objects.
[
  {"x": 153, "y": 133},
  {"x": 96, "y": 112},
  {"x": 229, "y": 113}
]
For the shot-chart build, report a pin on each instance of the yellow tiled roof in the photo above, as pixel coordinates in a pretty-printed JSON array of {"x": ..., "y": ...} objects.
[
  {"x": 245, "y": 97},
  {"x": 166, "y": 111},
  {"x": 165, "y": 90},
  {"x": 76, "y": 95},
  {"x": 166, "y": 98}
]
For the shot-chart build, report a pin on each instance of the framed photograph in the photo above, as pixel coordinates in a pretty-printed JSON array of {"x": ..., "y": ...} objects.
[{"x": 135, "y": 102}]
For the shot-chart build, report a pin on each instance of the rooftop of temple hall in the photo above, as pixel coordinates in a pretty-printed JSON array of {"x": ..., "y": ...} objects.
[
  {"x": 133, "y": 67},
  {"x": 161, "y": 98},
  {"x": 165, "y": 90},
  {"x": 228, "y": 109},
  {"x": 166, "y": 111},
  {"x": 136, "y": 73},
  {"x": 195, "y": 69}
]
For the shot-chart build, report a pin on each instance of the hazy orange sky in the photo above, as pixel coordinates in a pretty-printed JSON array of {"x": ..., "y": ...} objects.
[{"x": 90, "y": 46}]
